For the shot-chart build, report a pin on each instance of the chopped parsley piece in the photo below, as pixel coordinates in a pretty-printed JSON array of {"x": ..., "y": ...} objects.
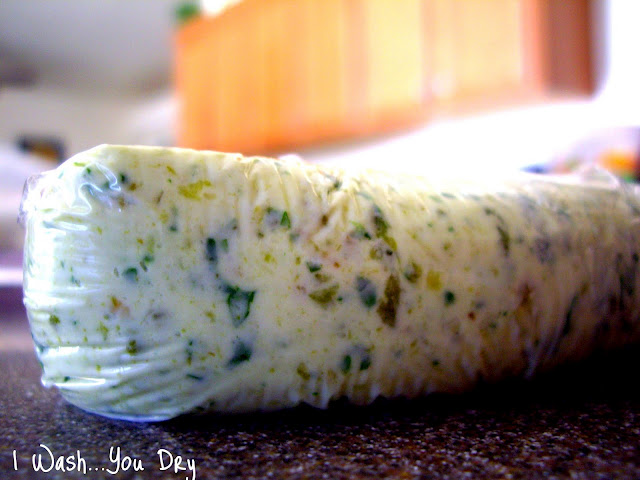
[
  {"x": 388, "y": 307},
  {"x": 505, "y": 239},
  {"x": 195, "y": 377},
  {"x": 285, "y": 221},
  {"x": 322, "y": 278},
  {"x": 193, "y": 190},
  {"x": 54, "y": 320},
  {"x": 303, "y": 371},
  {"x": 131, "y": 274},
  {"x": 239, "y": 302},
  {"x": 367, "y": 291},
  {"x": 211, "y": 251},
  {"x": 433, "y": 280},
  {"x": 345, "y": 365},
  {"x": 449, "y": 297},
  {"x": 360, "y": 232},
  {"x": 324, "y": 296},
  {"x": 146, "y": 260},
  {"x": 365, "y": 363},
  {"x": 275, "y": 218},
  {"x": 189, "y": 352},
  {"x": 241, "y": 353},
  {"x": 132, "y": 347},
  {"x": 224, "y": 244},
  {"x": 379, "y": 222},
  {"x": 103, "y": 329},
  {"x": 313, "y": 267},
  {"x": 413, "y": 272}
]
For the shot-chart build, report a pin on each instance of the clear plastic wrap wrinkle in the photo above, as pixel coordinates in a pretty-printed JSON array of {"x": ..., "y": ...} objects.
[{"x": 164, "y": 281}]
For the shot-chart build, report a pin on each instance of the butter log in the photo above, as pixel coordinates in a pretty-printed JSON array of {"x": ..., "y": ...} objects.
[{"x": 163, "y": 281}]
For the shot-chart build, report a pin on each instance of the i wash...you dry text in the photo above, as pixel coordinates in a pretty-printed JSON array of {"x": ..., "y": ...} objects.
[{"x": 44, "y": 460}]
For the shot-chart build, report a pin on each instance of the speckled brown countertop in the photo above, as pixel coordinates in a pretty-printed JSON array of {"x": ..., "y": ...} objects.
[{"x": 579, "y": 422}]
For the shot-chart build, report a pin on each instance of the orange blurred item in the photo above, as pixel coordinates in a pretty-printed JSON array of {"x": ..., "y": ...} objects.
[{"x": 266, "y": 76}]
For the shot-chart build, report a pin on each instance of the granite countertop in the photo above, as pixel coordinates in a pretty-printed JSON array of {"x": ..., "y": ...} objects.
[{"x": 577, "y": 422}]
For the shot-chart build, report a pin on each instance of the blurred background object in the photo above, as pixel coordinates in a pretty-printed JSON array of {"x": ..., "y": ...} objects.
[
  {"x": 262, "y": 76},
  {"x": 414, "y": 85},
  {"x": 615, "y": 149}
]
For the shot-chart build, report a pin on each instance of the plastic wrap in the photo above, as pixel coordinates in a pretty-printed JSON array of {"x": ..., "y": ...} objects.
[{"x": 163, "y": 281}]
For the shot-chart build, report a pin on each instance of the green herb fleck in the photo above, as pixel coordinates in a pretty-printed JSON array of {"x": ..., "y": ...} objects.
[
  {"x": 505, "y": 239},
  {"x": 360, "y": 232},
  {"x": 367, "y": 291},
  {"x": 211, "y": 251},
  {"x": 325, "y": 295},
  {"x": 389, "y": 305},
  {"x": 285, "y": 221},
  {"x": 103, "y": 329},
  {"x": 391, "y": 242},
  {"x": 322, "y": 278},
  {"x": 132, "y": 347},
  {"x": 277, "y": 218},
  {"x": 303, "y": 371},
  {"x": 189, "y": 352},
  {"x": 224, "y": 244},
  {"x": 345, "y": 365},
  {"x": 54, "y": 320},
  {"x": 198, "y": 378},
  {"x": 365, "y": 363},
  {"x": 124, "y": 179},
  {"x": 376, "y": 253},
  {"x": 379, "y": 222},
  {"x": 241, "y": 353},
  {"x": 239, "y": 302},
  {"x": 449, "y": 297},
  {"x": 193, "y": 190},
  {"x": 413, "y": 272},
  {"x": 313, "y": 267},
  {"x": 131, "y": 274}
]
